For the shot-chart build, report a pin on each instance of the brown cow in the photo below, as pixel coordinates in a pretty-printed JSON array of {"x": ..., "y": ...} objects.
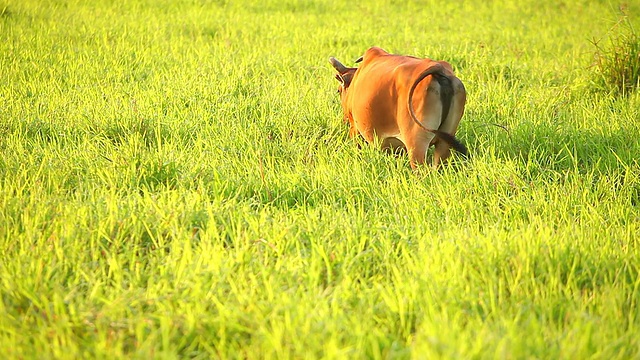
[{"x": 379, "y": 97}]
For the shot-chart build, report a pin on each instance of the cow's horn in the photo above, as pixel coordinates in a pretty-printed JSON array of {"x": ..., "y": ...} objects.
[
  {"x": 359, "y": 59},
  {"x": 338, "y": 65}
]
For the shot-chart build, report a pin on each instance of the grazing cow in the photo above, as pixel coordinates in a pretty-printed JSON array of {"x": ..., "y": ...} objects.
[{"x": 381, "y": 97}]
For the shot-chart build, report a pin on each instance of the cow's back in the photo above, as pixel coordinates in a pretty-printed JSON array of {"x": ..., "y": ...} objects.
[{"x": 379, "y": 91}]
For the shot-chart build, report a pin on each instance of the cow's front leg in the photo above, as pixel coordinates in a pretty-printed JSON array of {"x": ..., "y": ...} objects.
[{"x": 393, "y": 146}]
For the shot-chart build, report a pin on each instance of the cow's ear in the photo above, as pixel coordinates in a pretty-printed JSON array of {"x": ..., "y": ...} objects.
[{"x": 339, "y": 78}]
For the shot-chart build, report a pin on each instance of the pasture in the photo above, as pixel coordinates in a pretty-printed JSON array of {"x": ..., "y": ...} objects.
[{"x": 176, "y": 181}]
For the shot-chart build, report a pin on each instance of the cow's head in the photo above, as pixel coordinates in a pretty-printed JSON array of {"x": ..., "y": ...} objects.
[{"x": 344, "y": 75}]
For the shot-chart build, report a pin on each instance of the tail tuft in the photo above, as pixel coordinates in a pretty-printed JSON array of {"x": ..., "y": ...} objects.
[{"x": 452, "y": 141}]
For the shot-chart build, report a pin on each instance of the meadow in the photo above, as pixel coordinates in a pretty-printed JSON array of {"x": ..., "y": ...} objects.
[{"x": 176, "y": 181}]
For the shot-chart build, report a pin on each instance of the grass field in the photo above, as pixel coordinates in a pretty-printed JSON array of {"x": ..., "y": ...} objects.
[{"x": 176, "y": 182}]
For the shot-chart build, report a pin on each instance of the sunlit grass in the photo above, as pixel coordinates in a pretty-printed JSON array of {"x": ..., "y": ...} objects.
[
  {"x": 176, "y": 181},
  {"x": 617, "y": 63}
]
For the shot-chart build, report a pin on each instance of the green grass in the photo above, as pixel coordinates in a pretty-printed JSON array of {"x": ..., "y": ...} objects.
[
  {"x": 176, "y": 182},
  {"x": 618, "y": 62}
]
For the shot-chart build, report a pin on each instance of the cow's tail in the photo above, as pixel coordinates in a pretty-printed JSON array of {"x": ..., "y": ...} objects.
[{"x": 446, "y": 95}]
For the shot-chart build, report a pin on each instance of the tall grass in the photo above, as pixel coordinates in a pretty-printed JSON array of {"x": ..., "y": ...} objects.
[
  {"x": 618, "y": 62},
  {"x": 176, "y": 182}
]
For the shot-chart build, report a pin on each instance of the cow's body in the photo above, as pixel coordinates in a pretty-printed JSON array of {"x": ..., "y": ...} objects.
[{"x": 375, "y": 101}]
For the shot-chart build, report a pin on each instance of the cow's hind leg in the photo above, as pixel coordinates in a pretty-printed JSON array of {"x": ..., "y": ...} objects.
[
  {"x": 417, "y": 146},
  {"x": 417, "y": 156},
  {"x": 441, "y": 153}
]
